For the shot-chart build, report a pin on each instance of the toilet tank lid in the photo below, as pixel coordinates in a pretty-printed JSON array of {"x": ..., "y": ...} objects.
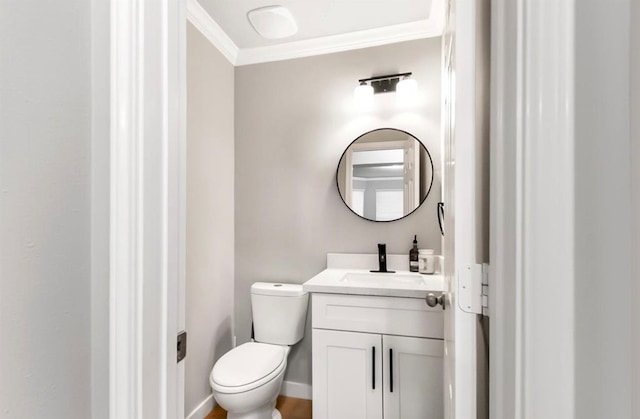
[{"x": 282, "y": 290}]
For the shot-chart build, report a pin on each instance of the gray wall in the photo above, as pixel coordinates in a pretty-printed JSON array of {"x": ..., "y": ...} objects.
[
  {"x": 210, "y": 212},
  {"x": 293, "y": 121},
  {"x": 45, "y": 235},
  {"x": 100, "y": 206},
  {"x": 603, "y": 210},
  {"x": 635, "y": 195}
]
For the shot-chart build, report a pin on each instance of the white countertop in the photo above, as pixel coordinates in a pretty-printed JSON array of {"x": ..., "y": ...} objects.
[{"x": 364, "y": 282}]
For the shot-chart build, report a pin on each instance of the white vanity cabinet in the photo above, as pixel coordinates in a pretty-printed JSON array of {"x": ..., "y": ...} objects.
[
  {"x": 347, "y": 375},
  {"x": 376, "y": 358},
  {"x": 414, "y": 377}
]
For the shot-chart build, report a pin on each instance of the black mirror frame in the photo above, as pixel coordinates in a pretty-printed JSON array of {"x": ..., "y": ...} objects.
[{"x": 421, "y": 201}]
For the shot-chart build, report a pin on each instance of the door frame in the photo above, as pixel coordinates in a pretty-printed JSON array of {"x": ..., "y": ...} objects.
[
  {"x": 147, "y": 206},
  {"x": 532, "y": 189},
  {"x": 374, "y": 146},
  {"x": 147, "y": 178}
]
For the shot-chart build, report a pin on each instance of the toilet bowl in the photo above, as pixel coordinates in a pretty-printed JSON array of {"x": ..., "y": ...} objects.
[{"x": 246, "y": 381}]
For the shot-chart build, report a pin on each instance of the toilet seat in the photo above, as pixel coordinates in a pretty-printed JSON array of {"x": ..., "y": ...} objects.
[{"x": 247, "y": 367}]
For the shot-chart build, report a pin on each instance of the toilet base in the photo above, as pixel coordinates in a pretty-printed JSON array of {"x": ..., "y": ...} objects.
[
  {"x": 265, "y": 412},
  {"x": 275, "y": 414}
]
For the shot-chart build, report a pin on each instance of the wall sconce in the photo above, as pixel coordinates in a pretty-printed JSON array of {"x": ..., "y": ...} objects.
[
  {"x": 406, "y": 92},
  {"x": 405, "y": 87},
  {"x": 363, "y": 97}
]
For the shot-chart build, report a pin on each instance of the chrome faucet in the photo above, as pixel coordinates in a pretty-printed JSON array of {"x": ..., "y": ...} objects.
[{"x": 382, "y": 259}]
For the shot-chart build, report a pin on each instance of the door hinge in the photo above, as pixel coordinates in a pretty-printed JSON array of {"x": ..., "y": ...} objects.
[
  {"x": 182, "y": 345},
  {"x": 485, "y": 289},
  {"x": 473, "y": 289}
]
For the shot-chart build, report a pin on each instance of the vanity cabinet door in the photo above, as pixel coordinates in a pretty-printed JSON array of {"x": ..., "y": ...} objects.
[
  {"x": 413, "y": 376},
  {"x": 347, "y": 375}
]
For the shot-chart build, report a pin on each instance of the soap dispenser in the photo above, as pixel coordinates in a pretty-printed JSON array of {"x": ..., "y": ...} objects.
[{"x": 413, "y": 255}]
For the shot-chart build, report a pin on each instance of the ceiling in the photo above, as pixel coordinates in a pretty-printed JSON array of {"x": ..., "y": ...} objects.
[
  {"x": 315, "y": 18},
  {"x": 324, "y": 26}
]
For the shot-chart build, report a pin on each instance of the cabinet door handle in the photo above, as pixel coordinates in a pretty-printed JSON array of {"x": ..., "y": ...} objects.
[
  {"x": 391, "y": 370},
  {"x": 373, "y": 367}
]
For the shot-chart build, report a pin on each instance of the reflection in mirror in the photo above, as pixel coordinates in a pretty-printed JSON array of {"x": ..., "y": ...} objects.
[{"x": 384, "y": 175}]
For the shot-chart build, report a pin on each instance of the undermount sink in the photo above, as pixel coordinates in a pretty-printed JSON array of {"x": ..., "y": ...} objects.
[{"x": 378, "y": 278}]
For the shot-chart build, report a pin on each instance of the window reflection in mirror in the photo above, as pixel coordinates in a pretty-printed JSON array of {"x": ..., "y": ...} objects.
[{"x": 384, "y": 175}]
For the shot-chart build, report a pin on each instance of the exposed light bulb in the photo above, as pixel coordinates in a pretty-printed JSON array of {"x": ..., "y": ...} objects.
[
  {"x": 363, "y": 97},
  {"x": 406, "y": 92}
]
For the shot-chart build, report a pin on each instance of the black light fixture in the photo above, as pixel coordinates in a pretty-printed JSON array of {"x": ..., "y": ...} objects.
[
  {"x": 384, "y": 84},
  {"x": 402, "y": 83}
]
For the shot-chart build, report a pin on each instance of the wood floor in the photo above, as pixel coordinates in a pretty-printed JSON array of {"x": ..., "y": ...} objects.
[{"x": 289, "y": 407}]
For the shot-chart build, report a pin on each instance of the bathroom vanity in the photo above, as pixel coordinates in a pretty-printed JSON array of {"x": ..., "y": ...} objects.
[{"x": 377, "y": 347}]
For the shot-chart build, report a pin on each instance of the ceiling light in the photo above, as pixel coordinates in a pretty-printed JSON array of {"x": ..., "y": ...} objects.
[{"x": 273, "y": 22}]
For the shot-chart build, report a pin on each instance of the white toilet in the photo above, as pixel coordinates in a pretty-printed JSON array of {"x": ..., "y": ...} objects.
[{"x": 246, "y": 380}]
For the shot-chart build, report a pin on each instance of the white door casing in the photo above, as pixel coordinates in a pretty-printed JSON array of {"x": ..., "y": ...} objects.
[
  {"x": 147, "y": 208},
  {"x": 411, "y": 178},
  {"x": 348, "y": 184},
  {"x": 532, "y": 192},
  {"x": 547, "y": 187}
]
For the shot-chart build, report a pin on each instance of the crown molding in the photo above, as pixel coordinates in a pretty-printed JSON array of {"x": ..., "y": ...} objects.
[
  {"x": 211, "y": 30},
  {"x": 338, "y": 43},
  {"x": 426, "y": 28}
]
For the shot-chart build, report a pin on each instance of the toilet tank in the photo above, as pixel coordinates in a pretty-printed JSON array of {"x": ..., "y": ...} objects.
[{"x": 279, "y": 312}]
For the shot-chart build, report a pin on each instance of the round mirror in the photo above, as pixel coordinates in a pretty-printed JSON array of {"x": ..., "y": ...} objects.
[{"x": 384, "y": 174}]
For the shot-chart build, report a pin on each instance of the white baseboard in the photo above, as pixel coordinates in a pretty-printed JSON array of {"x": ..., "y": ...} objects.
[
  {"x": 289, "y": 389},
  {"x": 297, "y": 390},
  {"x": 203, "y": 409}
]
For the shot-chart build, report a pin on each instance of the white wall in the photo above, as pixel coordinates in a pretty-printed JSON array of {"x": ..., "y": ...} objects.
[
  {"x": 210, "y": 214},
  {"x": 634, "y": 73},
  {"x": 603, "y": 211},
  {"x": 45, "y": 157},
  {"x": 293, "y": 121}
]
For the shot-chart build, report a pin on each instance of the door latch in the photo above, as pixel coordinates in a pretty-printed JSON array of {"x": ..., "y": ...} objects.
[{"x": 182, "y": 345}]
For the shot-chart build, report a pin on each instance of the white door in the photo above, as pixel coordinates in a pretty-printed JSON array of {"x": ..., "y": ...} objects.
[
  {"x": 413, "y": 374},
  {"x": 465, "y": 190},
  {"x": 347, "y": 375}
]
